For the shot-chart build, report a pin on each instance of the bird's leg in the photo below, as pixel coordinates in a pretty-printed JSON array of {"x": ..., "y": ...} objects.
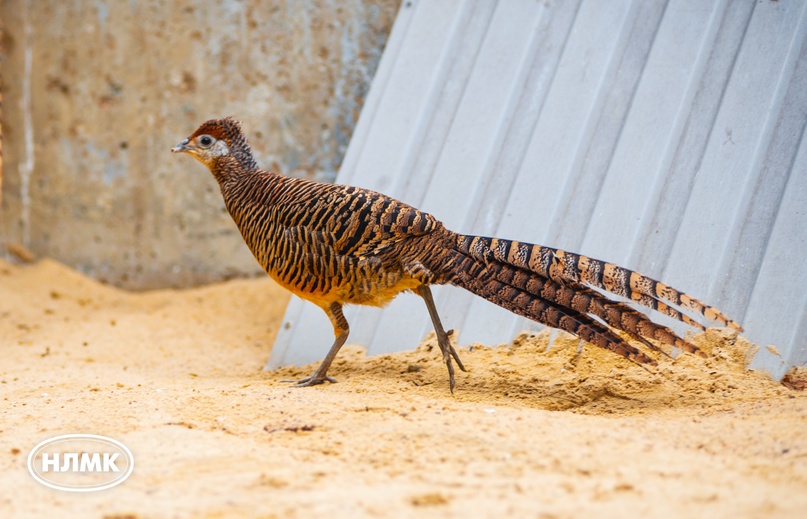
[
  {"x": 341, "y": 329},
  {"x": 442, "y": 336}
]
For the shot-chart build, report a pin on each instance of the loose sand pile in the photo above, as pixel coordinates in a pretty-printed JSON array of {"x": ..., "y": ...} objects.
[{"x": 529, "y": 432}]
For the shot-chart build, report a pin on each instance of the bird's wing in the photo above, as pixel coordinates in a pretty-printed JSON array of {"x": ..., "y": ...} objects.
[
  {"x": 353, "y": 221},
  {"x": 374, "y": 222}
]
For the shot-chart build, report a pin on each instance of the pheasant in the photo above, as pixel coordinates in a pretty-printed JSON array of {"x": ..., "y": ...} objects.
[{"x": 334, "y": 245}]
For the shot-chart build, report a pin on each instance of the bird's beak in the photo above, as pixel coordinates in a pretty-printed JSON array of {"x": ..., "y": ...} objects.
[{"x": 182, "y": 147}]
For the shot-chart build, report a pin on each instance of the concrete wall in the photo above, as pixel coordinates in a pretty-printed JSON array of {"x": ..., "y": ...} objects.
[{"x": 96, "y": 94}]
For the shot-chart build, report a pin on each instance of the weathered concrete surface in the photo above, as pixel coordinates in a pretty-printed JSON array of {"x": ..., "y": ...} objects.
[{"x": 96, "y": 94}]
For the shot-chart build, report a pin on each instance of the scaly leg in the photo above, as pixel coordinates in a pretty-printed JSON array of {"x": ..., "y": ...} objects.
[
  {"x": 340, "y": 330},
  {"x": 442, "y": 336}
]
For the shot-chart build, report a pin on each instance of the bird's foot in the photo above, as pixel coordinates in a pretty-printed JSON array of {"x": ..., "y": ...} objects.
[
  {"x": 449, "y": 353},
  {"x": 448, "y": 350},
  {"x": 450, "y": 375},
  {"x": 313, "y": 380}
]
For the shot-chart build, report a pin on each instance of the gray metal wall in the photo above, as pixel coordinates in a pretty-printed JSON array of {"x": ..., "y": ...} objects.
[{"x": 664, "y": 136}]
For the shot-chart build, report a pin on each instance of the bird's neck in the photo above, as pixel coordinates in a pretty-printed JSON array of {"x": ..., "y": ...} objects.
[
  {"x": 241, "y": 187},
  {"x": 235, "y": 166},
  {"x": 249, "y": 200}
]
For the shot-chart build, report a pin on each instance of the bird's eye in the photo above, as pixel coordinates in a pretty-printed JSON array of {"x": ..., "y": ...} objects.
[{"x": 206, "y": 141}]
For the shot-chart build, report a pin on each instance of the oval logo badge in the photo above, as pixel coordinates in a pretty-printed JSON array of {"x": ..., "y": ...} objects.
[{"x": 80, "y": 462}]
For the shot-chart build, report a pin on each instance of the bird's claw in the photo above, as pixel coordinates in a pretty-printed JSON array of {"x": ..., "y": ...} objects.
[
  {"x": 313, "y": 380},
  {"x": 449, "y": 353}
]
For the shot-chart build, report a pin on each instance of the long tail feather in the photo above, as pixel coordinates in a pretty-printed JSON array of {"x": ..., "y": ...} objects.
[
  {"x": 477, "y": 278},
  {"x": 564, "y": 267},
  {"x": 587, "y": 301}
]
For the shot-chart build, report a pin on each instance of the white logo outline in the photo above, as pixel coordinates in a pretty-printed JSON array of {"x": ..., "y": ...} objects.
[{"x": 67, "y": 437}]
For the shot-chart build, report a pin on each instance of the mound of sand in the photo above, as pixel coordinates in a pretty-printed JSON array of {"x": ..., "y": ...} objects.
[{"x": 533, "y": 429}]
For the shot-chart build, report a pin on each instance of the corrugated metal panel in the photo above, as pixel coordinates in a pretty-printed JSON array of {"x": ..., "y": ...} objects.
[{"x": 664, "y": 136}]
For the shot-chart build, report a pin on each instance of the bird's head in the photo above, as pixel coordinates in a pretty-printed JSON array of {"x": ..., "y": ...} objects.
[{"x": 217, "y": 142}]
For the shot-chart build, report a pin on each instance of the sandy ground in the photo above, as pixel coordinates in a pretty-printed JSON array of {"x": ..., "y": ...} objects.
[{"x": 530, "y": 432}]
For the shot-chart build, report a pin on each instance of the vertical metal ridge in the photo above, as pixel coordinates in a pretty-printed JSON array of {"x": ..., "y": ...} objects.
[
  {"x": 677, "y": 184},
  {"x": 777, "y": 308},
  {"x": 681, "y": 121},
  {"x": 415, "y": 193},
  {"x": 731, "y": 152},
  {"x": 612, "y": 104},
  {"x": 796, "y": 352},
  {"x": 415, "y": 181},
  {"x": 491, "y": 199},
  {"x": 433, "y": 96},
  {"x": 434, "y": 105},
  {"x": 710, "y": 149},
  {"x": 475, "y": 162},
  {"x": 756, "y": 214},
  {"x": 381, "y": 79},
  {"x": 507, "y": 119},
  {"x": 772, "y": 221}
]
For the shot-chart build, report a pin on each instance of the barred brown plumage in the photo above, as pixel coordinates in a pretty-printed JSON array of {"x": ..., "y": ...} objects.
[{"x": 334, "y": 245}]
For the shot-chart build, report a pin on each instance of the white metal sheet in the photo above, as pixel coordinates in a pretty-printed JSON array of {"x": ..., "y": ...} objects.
[{"x": 664, "y": 136}]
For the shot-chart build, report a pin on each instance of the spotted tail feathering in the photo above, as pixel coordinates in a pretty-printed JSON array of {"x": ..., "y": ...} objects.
[
  {"x": 543, "y": 301},
  {"x": 566, "y": 267},
  {"x": 334, "y": 245}
]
